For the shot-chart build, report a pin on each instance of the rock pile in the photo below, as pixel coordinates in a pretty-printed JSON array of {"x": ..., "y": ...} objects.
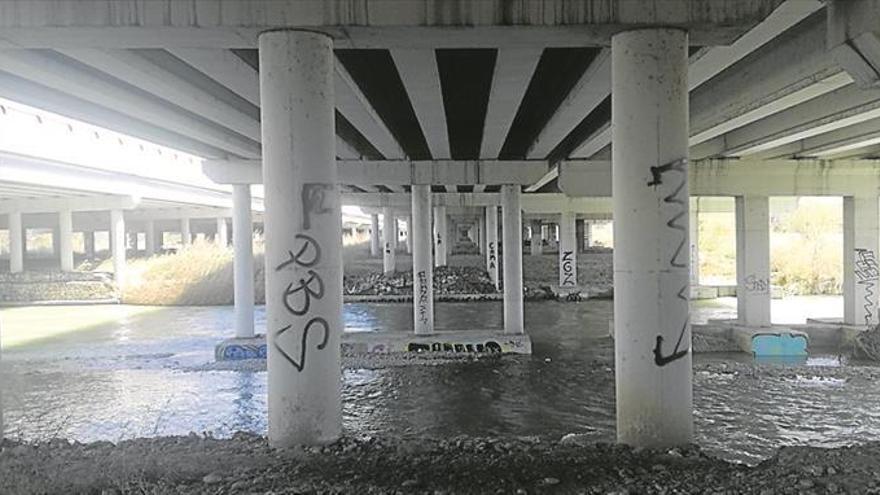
[{"x": 447, "y": 280}]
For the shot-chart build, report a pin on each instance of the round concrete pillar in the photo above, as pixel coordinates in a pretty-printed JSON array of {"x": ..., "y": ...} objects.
[
  {"x": 150, "y": 237},
  {"x": 440, "y": 238},
  {"x": 243, "y": 260},
  {"x": 568, "y": 251},
  {"x": 117, "y": 246},
  {"x": 492, "y": 244},
  {"x": 185, "y": 232},
  {"x": 65, "y": 240},
  {"x": 650, "y": 196},
  {"x": 222, "y": 237},
  {"x": 389, "y": 241},
  {"x": 303, "y": 237},
  {"x": 409, "y": 225},
  {"x": 16, "y": 243},
  {"x": 375, "y": 242},
  {"x": 423, "y": 270},
  {"x": 536, "y": 243},
  {"x": 511, "y": 228}
]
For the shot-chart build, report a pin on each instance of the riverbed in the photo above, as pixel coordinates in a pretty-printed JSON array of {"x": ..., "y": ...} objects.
[{"x": 142, "y": 374}]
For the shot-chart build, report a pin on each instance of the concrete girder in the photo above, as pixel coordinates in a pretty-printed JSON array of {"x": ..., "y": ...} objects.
[
  {"x": 346, "y": 151},
  {"x": 224, "y": 67},
  {"x": 352, "y": 103},
  {"x": 421, "y": 78},
  {"x": 52, "y": 72},
  {"x": 841, "y": 108},
  {"x": 128, "y": 66},
  {"x": 368, "y": 23},
  {"x": 87, "y": 203},
  {"x": 853, "y": 39},
  {"x": 397, "y": 173},
  {"x": 506, "y": 93},
  {"x": 593, "y": 87},
  {"x": 832, "y": 143}
]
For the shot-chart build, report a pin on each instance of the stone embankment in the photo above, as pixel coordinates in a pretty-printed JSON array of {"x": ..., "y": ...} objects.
[
  {"x": 56, "y": 287},
  {"x": 522, "y": 465}
]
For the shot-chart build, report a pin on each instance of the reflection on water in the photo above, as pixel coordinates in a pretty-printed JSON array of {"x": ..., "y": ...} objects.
[{"x": 135, "y": 379}]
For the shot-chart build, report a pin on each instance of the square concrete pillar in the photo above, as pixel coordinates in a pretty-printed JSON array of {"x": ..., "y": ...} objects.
[
  {"x": 16, "y": 243},
  {"x": 65, "y": 240},
  {"x": 860, "y": 270},
  {"x": 753, "y": 260}
]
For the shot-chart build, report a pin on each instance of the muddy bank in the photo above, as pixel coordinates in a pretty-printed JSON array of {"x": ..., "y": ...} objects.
[{"x": 245, "y": 464}]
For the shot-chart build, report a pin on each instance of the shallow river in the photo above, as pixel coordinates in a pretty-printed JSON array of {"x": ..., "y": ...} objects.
[{"x": 138, "y": 376}]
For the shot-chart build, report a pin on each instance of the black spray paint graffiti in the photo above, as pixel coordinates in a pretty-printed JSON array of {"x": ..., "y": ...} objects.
[
  {"x": 423, "y": 297},
  {"x": 757, "y": 285},
  {"x": 493, "y": 258},
  {"x": 490, "y": 347},
  {"x": 680, "y": 167},
  {"x": 867, "y": 273},
  {"x": 567, "y": 264},
  {"x": 297, "y": 299}
]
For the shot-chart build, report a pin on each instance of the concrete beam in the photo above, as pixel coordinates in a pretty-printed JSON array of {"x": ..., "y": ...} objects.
[
  {"x": 89, "y": 203},
  {"x": 224, "y": 67},
  {"x": 506, "y": 93},
  {"x": 52, "y": 72},
  {"x": 421, "y": 78},
  {"x": 853, "y": 39},
  {"x": 352, "y": 103},
  {"x": 176, "y": 214},
  {"x": 396, "y": 173},
  {"x": 366, "y": 24}
]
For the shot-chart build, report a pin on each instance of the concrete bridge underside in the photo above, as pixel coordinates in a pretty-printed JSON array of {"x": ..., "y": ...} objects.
[{"x": 539, "y": 108}]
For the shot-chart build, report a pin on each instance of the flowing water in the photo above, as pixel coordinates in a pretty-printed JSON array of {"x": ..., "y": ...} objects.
[{"x": 140, "y": 375}]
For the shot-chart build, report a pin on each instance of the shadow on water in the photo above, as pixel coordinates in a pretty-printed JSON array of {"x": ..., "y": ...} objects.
[{"x": 135, "y": 378}]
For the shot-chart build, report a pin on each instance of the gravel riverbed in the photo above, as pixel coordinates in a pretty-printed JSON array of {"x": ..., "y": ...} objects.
[{"x": 246, "y": 464}]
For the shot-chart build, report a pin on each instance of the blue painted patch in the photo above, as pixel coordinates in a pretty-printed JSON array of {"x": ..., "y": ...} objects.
[
  {"x": 785, "y": 344},
  {"x": 235, "y": 352}
]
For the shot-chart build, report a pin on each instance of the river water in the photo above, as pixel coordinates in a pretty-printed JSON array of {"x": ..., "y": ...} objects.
[{"x": 143, "y": 375}]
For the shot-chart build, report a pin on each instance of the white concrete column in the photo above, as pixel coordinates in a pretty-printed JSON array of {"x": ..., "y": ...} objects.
[
  {"x": 588, "y": 233},
  {"x": 303, "y": 239},
  {"x": 752, "y": 260},
  {"x": 440, "y": 239},
  {"x": 89, "y": 243},
  {"x": 860, "y": 270},
  {"x": 694, "y": 238},
  {"x": 409, "y": 234},
  {"x": 537, "y": 238},
  {"x": 423, "y": 269},
  {"x": 243, "y": 260},
  {"x": 65, "y": 240},
  {"x": 16, "y": 243},
  {"x": 652, "y": 342},
  {"x": 375, "y": 242},
  {"x": 389, "y": 241},
  {"x": 117, "y": 246},
  {"x": 568, "y": 251},
  {"x": 579, "y": 235},
  {"x": 222, "y": 237},
  {"x": 511, "y": 228},
  {"x": 150, "y": 237},
  {"x": 492, "y": 244},
  {"x": 185, "y": 232}
]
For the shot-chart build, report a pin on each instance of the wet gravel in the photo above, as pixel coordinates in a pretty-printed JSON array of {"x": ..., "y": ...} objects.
[{"x": 246, "y": 464}]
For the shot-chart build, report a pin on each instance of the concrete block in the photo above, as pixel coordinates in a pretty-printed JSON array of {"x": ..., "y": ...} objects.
[
  {"x": 238, "y": 349},
  {"x": 771, "y": 342},
  {"x": 726, "y": 290},
  {"x": 469, "y": 341},
  {"x": 703, "y": 292}
]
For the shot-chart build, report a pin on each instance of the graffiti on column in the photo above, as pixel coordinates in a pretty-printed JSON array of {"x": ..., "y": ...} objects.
[
  {"x": 493, "y": 258},
  {"x": 568, "y": 279},
  {"x": 298, "y": 296},
  {"x": 678, "y": 199},
  {"x": 757, "y": 285},
  {"x": 423, "y": 297},
  {"x": 867, "y": 273}
]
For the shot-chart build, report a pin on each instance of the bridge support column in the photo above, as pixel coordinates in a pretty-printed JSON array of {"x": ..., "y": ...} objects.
[
  {"x": 579, "y": 235},
  {"x": 694, "y": 238},
  {"x": 303, "y": 237},
  {"x": 536, "y": 241},
  {"x": 492, "y": 244},
  {"x": 65, "y": 240},
  {"x": 423, "y": 269},
  {"x": 511, "y": 228},
  {"x": 753, "y": 260},
  {"x": 117, "y": 246},
  {"x": 89, "y": 244},
  {"x": 409, "y": 234},
  {"x": 16, "y": 243},
  {"x": 860, "y": 269},
  {"x": 440, "y": 236},
  {"x": 150, "y": 238},
  {"x": 185, "y": 232},
  {"x": 375, "y": 242},
  {"x": 389, "y": 241},
  {"x": 568, "y": 251},
  {"x": 222, "y": 237},
  {"x": 650, "y": 200},
  {"x": 243, "y": 260}
]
